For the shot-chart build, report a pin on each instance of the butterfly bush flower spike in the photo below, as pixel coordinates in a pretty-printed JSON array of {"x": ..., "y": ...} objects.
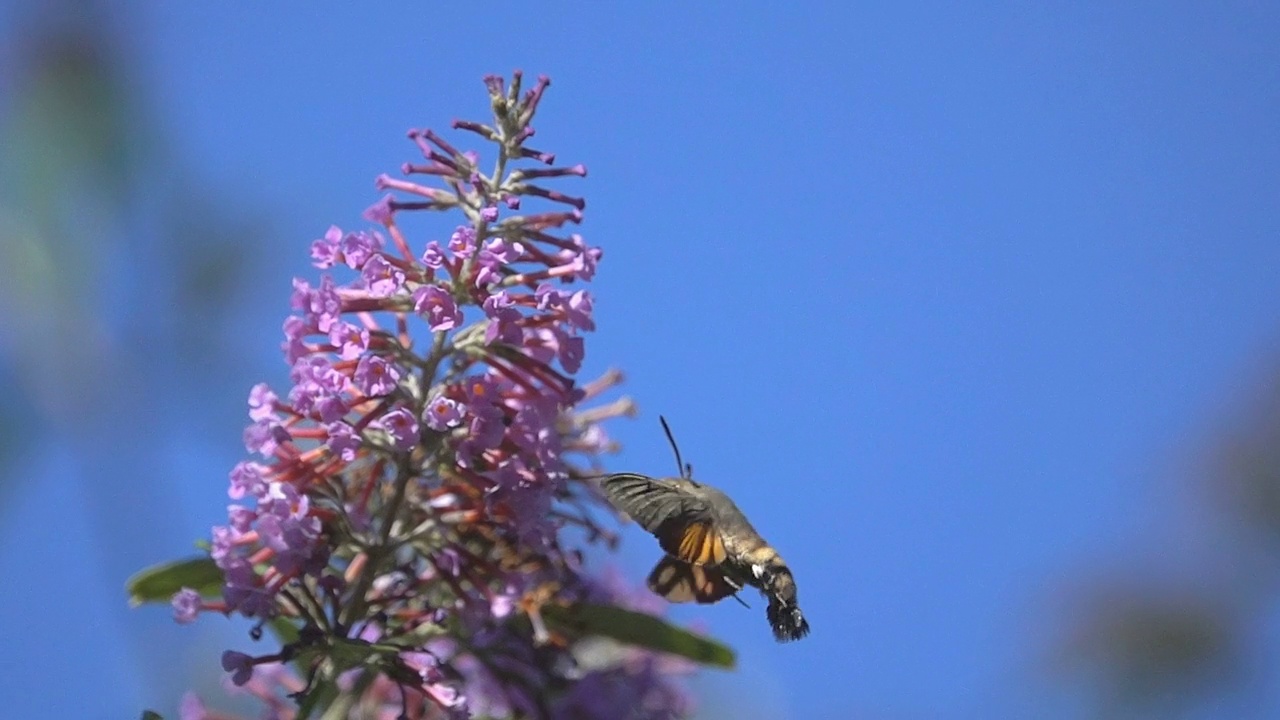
[{"x": 403, "y": 506}]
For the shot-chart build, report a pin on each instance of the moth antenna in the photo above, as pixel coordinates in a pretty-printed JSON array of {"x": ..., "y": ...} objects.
[
  {"x": 741, "y": 602},
  {"x": 686, "y": 471}
]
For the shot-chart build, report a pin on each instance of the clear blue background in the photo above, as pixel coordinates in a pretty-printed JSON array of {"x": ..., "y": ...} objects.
[{"x": 952, "y": 299}]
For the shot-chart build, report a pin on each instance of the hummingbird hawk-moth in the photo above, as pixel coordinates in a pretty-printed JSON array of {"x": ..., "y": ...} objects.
[{"x": 712, "y": 550}]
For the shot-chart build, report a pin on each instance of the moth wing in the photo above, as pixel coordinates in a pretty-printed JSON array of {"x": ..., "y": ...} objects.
[
  {"x": 694, "y": 541},
  {"x": 682, "y": 522},
  {"x": 681, "y": 582},
  {"x": 652, "y": 502}
]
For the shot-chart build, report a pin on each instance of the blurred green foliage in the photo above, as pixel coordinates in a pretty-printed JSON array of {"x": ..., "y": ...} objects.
[{"x": 118, "y": 272}]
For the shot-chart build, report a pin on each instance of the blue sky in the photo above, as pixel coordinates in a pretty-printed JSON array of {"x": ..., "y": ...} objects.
[{"x": 949, "y": 298}]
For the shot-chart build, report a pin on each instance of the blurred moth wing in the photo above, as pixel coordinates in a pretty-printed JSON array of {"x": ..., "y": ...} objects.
[{"x": 682, "y": 582}]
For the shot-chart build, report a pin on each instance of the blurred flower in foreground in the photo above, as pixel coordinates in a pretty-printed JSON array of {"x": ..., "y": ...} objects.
[{"x": 399, "y": 530}]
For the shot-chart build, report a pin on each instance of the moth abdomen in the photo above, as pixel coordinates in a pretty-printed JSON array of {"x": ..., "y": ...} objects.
[
  {"x": 762, "y": 554},
  {"x": 774, "y": 579}
]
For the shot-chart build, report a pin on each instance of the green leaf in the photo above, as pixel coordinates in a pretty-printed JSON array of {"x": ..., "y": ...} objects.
[
  {"x": 151, "y": 715},
  {"x": 639, "y": 629},
  {"x": 159, "y": 582},
  {"x": 284, "y": 629},
  {"x": 347, "y": 653},
  {"x": 321, "y": 695},
  {"x": 339, "y": 708},
  {"x": 422, "y": 634}
]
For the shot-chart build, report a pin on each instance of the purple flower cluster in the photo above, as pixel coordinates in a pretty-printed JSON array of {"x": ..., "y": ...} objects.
[
  {"x": 408, "y": 490},
  {"x": 496, "y": 673}
]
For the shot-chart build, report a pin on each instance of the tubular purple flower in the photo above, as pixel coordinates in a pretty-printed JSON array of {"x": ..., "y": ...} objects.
[
  {"x": 504, "y": 319},
  {"x": 376, "y": 376},
  {"x": 380, "y": 212},
  {"x": 192, "y": 708},
  {"x": 186, "y": 605},
  {"x": 553, "y": 343},
  {"x": 436, "y": 305},
  {"x": 402, "y": 426},
  {"x": 352, "y": 341},
  {"x": 359, "y": 247},
  {"x": 242, "y": 592},
  {"x": 572, "y": 351},
  {"x": 487, "y": 273},
  {"x": 433, "y": 256},
  {"x": 497, "y": 85},
  {"x": 241, "y": 518},
  {"x": 223, "y": 546},
  {"x": 575, "y": 308},
  {"x": 381, "y": 277},
  {"x": 492, "y": 257},
  {"x": 264, "y": 437},
  {"x": 547, "y": 297},
  {"x": 442, "y": 413},
  {"x": 578, "y": 311},
  {"x": 481, "y": 393},
  {"x": 595, "y": 441},
  {"x": 320, "y": 305},
  {"x": 342, "y": 440},
  {"x": 581, "y": 260},
  {"x": 324, "y": 252},
  {"x": 487, "y": 427},
  {"x": 530, "y": 104},
  {"x": 294, "y": 346},
  {"x": 331, "y": 408},
  {"x": 316, "y": 381},
  {"x": 289, "y": 530},
  {"x": 239, "y": 665},
  {"x": 300, "y": 298},
  {"x": 462, "y": 243},
  {"x": 262, "y": 402},
  {"x": 247, "y": 480}
]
